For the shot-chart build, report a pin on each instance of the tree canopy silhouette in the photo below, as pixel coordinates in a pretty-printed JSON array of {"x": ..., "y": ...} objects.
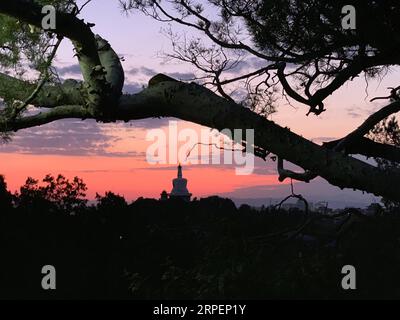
[
  {"x": 301, "y": 46},
  {"x": 202, "y": 249},
  {"x": 59, "y": 191}
]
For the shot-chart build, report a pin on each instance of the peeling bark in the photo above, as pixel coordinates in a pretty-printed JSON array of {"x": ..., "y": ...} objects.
[{"x": 112, "y": 66}]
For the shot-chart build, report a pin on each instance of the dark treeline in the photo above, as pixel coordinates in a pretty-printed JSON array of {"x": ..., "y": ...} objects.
[{"x": 204, "y": 249}]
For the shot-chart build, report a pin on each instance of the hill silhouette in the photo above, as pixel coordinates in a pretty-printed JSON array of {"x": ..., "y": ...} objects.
[{"x": 203, "y": 249}]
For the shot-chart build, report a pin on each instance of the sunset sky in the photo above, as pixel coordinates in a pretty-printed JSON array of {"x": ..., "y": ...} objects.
[{"x": 112, "y": 156}]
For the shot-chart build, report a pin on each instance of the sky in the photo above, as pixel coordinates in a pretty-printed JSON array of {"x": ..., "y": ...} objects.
[{"x": 112, "y": 156}]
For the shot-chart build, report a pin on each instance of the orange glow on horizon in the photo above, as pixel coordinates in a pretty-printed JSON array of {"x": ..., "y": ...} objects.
[{"x": 129, "y": 177}]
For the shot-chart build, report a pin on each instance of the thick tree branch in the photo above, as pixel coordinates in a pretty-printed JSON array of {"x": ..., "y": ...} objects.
[
  {"x": 192, "y": 102},
  {"x": 57, "y": 113},
  {"x": 368, "y": 148},
  {"x": 368, "y": 125},
  {"x": 99, "y": 92},
  {"x": 48, "y": 97},
  {"x": 68, "y": 25}
]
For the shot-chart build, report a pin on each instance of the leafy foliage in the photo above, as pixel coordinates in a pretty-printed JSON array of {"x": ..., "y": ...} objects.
[
  {"x": 313, "y": 28},
  {"x": 58, "y": 191},
  {"x": 24, "y": 52},
  {"x": 387, "y": 131},
  {"x": 21, "y": 43}
]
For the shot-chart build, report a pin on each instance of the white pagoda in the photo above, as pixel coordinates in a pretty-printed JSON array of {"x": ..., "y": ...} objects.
[{"x": 179, "y": 189}]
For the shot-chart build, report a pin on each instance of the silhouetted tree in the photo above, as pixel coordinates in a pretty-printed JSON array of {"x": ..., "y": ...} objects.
[
  {"x": 5, "y": 195},
  {"x": 58, "y": 191},
  {"x": 113, "y": 209},
  {"x": 202, "y": 249}
]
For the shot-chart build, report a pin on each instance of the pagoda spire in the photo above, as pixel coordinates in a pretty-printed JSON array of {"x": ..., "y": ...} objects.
[{"x": 179, "y": 171}]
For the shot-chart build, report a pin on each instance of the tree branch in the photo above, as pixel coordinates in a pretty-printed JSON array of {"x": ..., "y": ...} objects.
[
  {"x": 194, "y": 103},
  {"x": 57, "y": 113},
  {"x": 368, "y": 125},
  {"x": 49, "y": 96},
  {"x": 368, "y": 148},
  {"x": 44, "y": 77},
  {"x": 99, "y": 93}
]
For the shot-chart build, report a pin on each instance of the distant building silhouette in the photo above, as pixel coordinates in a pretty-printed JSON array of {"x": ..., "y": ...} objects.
[
  {"x": 164, "y": 196},
  {"x": 179, "y": 188}
]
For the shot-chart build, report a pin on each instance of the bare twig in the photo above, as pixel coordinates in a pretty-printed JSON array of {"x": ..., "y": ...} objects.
[
  {"x": 394, "y": 94},
  {"x": 214, "y": 145},
  {"x": 83, "y": 6}
]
